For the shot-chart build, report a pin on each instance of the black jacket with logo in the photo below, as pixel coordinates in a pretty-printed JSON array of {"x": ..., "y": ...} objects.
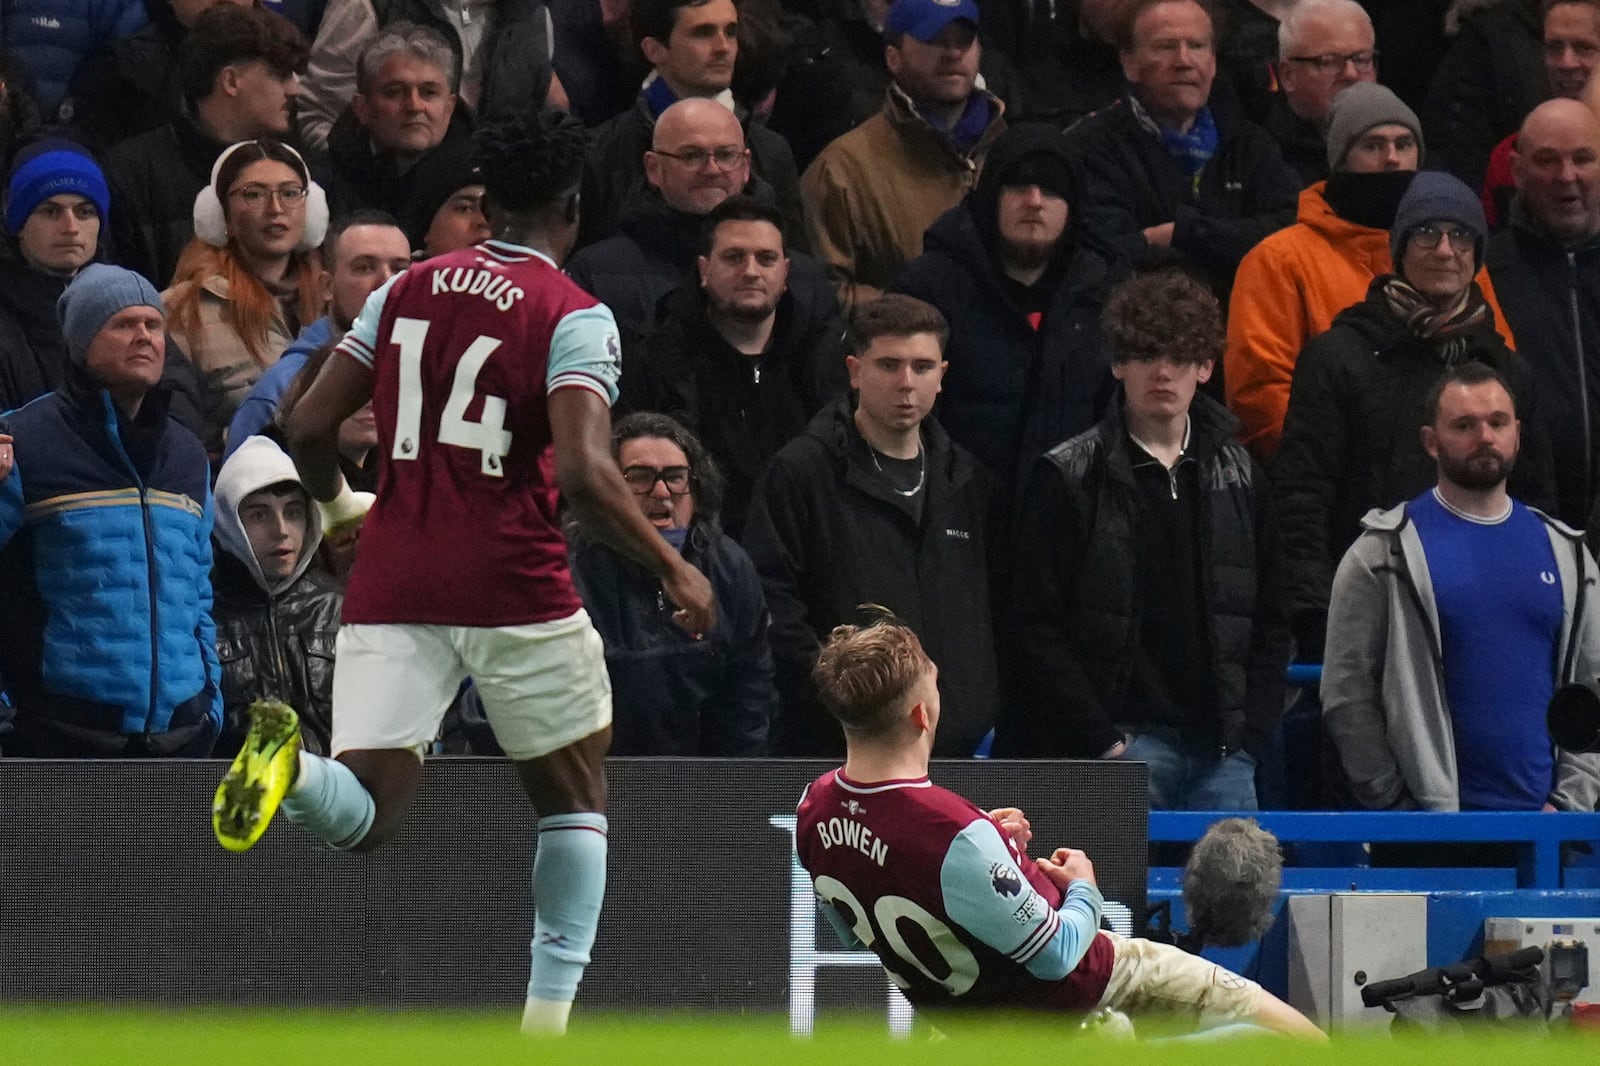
[{"x": 828, "y": 535}]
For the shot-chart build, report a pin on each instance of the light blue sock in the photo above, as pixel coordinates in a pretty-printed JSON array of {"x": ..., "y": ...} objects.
[
  {"x": 569, "y": 883},
  {"x": 330, "y": 802}
]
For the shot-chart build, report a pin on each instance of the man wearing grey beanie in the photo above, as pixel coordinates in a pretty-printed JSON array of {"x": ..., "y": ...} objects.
[
  {"x": 1291, "y": 285},
  {"x": 115, "y": 552}
]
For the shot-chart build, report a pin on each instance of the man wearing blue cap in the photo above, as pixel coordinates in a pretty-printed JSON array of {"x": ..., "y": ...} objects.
[
  {"x": 872, "y": 193},
  {"x": 55, "y": 204},
  {"x": 105, "y": 546}
]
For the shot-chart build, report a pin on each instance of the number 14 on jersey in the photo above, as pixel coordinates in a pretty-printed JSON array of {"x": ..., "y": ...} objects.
[{"x": 488, "y": 436}]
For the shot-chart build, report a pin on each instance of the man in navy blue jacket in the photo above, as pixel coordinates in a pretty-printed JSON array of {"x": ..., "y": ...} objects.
[{"x": 105, "y": 551}]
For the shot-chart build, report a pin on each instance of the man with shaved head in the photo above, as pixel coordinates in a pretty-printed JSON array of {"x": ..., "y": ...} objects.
[
  {"x": 1571, "y": 54},
  {"x": 1546, "y": 271}
]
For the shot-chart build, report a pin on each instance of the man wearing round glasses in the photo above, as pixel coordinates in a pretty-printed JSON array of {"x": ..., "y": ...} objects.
[
  {"x": 671, "y": 694},
  {"x": 1350, "y": 439},
  {"x": 1324, "y": 47}
]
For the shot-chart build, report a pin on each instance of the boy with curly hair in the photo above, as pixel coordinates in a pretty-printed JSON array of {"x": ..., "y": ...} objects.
[{"x": 1149, "y": 611}]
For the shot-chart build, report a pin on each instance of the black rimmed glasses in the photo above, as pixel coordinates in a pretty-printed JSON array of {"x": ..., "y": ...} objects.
[
  {"x": 1428, "y": 237},
  {"x": 1333, "y": 62},
  {"x": 642, "y": 479},
  {"x": 727, "y": 157}
]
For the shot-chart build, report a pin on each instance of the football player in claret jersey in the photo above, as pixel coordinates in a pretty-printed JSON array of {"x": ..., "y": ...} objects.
[
  {"x": 491, "y": 376},
  {"x": 887, "y": 849}
]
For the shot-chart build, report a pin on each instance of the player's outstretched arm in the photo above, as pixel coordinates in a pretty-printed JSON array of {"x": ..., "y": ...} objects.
[
  {"x": 580, "y": 425},
  {"x": 311, "y": 427}
]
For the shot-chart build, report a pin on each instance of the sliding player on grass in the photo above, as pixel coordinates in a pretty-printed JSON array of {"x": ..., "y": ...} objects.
[
  {"x": 945, "y": 895},
  {"x": 491, "y": 376}
]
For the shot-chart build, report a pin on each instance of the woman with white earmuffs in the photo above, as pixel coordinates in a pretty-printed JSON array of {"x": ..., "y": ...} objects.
[{"x": 249, "y": 280}]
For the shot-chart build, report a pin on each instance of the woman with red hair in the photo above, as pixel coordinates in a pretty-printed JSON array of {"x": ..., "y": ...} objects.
[{"x": 249, "y": 280}]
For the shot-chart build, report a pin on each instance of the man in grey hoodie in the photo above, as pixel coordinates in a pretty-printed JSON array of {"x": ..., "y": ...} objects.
[{"x": 1454, "y": 617}]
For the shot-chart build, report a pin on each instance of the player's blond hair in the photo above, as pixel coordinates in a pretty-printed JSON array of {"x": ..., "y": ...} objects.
[{"x": 865, "y": 673}]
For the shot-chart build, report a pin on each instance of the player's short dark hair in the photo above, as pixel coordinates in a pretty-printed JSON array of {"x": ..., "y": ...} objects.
[
  {"x": 864, "y": 674},
  {"x": 530, "y": 161},
  {"x": 227, "y": 34},
  {"x": 657, "y": 18},
  {"x": 739, "y": 208},
  {"x": 402, "y": 38},
  {"x": 895, "y": 315},
  {"x": 1163, "y": 313},
  {"x": 1468, "y": 374},
  {"x": 368, "y": 216},
  {"x": 705, "y": 479},
  {"x": 1125, "y": 41}
]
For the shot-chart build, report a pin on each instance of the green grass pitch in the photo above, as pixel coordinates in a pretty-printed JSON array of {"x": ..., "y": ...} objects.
[{"x": 103, "y": 1036}]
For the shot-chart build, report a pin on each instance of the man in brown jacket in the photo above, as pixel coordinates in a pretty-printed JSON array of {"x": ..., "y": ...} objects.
[{"x": 872, "y": 193}]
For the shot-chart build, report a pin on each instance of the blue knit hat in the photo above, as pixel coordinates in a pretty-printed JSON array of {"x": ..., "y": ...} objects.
[
  {"x": 98, "y": 292},
  {"x": 51, "y": 168},
  {"x": 1435, "y": 196}
]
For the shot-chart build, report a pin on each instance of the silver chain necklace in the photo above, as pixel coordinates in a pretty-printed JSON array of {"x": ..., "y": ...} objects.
[{"x": 922, "y": 476}]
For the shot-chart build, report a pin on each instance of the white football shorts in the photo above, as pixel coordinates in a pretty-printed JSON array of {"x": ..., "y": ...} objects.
[{"x": 543, "y": 685}]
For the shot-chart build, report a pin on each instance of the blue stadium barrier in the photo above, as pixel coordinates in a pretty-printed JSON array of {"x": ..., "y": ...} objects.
[{"x": 1555, "y": 872}]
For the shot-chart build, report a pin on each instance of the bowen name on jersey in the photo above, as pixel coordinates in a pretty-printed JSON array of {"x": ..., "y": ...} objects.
[{"x": 852, "y": 834}]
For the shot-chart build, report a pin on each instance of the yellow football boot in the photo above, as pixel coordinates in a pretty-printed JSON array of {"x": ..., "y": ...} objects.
[{"x": 260, "y": 775}]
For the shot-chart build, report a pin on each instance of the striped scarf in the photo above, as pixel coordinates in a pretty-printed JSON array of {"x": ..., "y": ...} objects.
[{"x": 1446, "y": 330}]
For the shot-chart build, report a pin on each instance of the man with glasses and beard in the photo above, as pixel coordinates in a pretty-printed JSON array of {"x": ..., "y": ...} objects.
[{"x": 1454, "y": 617}]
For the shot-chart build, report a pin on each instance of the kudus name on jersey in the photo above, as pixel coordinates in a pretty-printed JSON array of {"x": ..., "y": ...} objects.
[
  {"x": 853, "y": 834},
  {"x": 496, "y": 288}
]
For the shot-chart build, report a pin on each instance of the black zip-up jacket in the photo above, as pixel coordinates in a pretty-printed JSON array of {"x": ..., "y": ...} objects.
[
  {"x": 1551, "y": 299},
  {"x": 1352, "y": 441},
  {"x": 827, "y": 535},
  {"x": 1077, "y": 603},
  {"x": 743, "y": 408},
  {"x": 1245, "y": 192}
]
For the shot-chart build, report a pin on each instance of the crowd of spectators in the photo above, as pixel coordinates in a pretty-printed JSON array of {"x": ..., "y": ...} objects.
[{"x": 1127, "y": 350}]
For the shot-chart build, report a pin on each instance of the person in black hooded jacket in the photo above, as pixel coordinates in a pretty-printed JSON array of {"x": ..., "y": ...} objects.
[
  {"x": 746, "y": 358},
  {"x": 1022, "y": 291}
]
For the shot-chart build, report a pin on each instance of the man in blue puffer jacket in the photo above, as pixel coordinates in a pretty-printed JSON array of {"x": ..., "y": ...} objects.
[
  {"x": 52, "y": 37},
  {"x": 105, "y": 554}
]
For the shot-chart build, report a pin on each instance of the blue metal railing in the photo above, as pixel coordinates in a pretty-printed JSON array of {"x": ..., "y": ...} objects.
[{"x": 1537, "y": 835}]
